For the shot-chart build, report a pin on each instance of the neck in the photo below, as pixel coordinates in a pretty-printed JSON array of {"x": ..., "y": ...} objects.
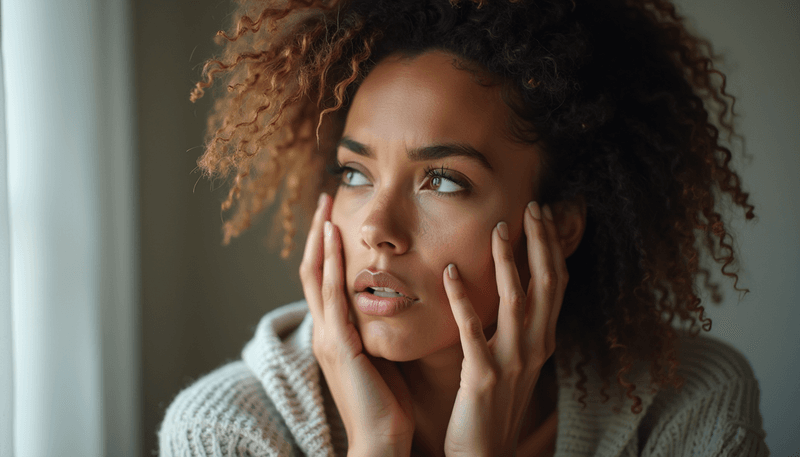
[
  {"x": 438, "y": 373},
  {"x": 433, "y": 382}
]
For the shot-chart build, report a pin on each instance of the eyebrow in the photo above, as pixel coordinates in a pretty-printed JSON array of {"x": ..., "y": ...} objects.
[{"x": 424, "y": 153}]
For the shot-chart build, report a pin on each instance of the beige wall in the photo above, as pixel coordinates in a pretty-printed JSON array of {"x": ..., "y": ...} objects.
[{"x": 200, "y": 301}]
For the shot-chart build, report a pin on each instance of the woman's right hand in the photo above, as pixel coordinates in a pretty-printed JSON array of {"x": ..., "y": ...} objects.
[{"x": 370, "y": 394}]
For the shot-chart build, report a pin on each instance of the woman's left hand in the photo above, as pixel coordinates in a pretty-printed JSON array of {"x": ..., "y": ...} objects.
[{"x": 498, "y": 377}]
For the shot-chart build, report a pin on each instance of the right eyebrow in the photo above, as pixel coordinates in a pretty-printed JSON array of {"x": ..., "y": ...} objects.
[{"x": 424, "y": 153}]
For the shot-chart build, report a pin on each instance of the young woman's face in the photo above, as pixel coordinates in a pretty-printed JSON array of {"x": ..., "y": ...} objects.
[{"x": 395, "y": 218}]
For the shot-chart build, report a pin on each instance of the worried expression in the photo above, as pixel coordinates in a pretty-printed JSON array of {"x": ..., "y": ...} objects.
[{"x": 428, "y": 168}]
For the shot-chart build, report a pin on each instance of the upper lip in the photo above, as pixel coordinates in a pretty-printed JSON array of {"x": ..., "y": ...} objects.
[{"x": 366, "y": 279}]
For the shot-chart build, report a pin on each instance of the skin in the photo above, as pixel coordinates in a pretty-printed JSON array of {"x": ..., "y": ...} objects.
[
  {"x": 389, "y": 217},
  {"x": 397, "y": 223}
]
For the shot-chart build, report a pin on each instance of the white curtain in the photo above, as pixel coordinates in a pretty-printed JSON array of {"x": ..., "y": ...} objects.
[
  {"x": 6, "y": 358},
  {"x": 68, "y": 261}
]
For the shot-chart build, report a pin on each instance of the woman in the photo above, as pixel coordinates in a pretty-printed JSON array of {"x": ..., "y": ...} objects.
[{"x": 511, "y": 181}]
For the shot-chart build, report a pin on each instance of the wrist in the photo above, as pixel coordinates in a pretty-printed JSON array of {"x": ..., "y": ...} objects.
[{"x": 373, "y": 449}]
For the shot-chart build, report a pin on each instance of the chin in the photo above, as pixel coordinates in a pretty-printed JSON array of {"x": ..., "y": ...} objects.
[
  {"x": 393, "y": 355},
  {"x": 381, "y": 341},
  {"x": 401, "y": 344}
]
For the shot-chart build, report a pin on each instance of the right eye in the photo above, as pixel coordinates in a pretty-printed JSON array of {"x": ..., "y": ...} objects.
[
  {"x": 347, "y": 175},
  {"x": 351, "y": 177}
]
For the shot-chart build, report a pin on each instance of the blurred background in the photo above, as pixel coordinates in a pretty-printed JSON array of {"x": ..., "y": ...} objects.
[{"x": 115, "y": 290}]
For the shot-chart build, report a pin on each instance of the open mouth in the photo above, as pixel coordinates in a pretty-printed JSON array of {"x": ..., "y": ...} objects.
[{"x": 384, "y": 292}]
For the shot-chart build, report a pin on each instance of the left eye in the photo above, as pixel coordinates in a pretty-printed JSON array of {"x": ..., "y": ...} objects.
[
  {"x": 445, "y": 185},
  {"x": 349, "y": 173},
  {"x": 439, "y": 179}
]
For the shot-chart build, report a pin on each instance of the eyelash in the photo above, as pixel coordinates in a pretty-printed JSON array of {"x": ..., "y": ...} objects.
[{"x": 431, "y": 172}]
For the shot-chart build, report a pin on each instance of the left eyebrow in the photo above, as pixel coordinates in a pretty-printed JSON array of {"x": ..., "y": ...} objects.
[{"x": 424, "y": 153}]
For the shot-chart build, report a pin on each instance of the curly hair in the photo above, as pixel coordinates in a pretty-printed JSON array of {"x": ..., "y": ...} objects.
[{"x": 624, "y": 102}]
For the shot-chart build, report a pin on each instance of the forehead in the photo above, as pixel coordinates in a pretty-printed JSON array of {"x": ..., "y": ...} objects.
[
  {"x": 426, "y": 98},
  {"x": 409, "y": 103}
]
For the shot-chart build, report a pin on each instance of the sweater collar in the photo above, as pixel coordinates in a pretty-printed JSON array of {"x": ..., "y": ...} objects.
[
  {"x": 281, "y": 356},
  {"x": 595, "y": 423}
]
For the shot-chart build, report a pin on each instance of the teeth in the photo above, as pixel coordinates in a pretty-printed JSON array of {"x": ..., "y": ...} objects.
[
  {"x": 385, "y": 292},
  {"x": 384, "y": 289}
]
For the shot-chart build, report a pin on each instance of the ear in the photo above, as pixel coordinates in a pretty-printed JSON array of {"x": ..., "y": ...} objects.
[{"x": 570, "y": 219}]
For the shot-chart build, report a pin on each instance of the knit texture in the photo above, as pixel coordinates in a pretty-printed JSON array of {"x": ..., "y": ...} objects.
[{"x": 274, "y": 402}]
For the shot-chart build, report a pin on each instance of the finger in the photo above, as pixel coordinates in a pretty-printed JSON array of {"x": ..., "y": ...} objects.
[
  {"x": 311, "y": 265},
  {"x": 470, "y": 327},
  {"x": 513, "y": 301},
  {"x": 560, "y": 267},
  {"x": 391, "y": 374},
  {"x": 543, "y": 276},
  {"x": 333, "y": 293}
]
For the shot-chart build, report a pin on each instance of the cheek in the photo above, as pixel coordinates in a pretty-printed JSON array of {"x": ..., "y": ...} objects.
[
  {"x": 470, "y": 248},
  {"x": 481, "y": 283},
  {"x": 466, "y": 245},
  {"x": 348, "y": 233},
  {"x": 345, "y": 215}
]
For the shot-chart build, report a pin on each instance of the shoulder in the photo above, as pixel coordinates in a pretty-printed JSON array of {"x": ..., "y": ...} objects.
[
  {"x": 716, "y": 410},
  {"x": 225, "y": 413},
  {"x": 709, "y": 362}
]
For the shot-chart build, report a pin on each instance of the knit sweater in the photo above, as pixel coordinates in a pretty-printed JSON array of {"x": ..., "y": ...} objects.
[{"x": 274, "y": 402}]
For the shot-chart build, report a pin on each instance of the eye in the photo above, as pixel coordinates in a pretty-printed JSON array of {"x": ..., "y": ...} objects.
[
  {"x": 445, "y": 183},
  {"x": 350, "y": 177},
  {"x": 442, "y": 182},
  {"x": 347, "y": 175}
]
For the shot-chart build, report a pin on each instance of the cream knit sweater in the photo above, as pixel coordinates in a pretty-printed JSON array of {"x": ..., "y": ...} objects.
[{"x": 273, "y": 403}]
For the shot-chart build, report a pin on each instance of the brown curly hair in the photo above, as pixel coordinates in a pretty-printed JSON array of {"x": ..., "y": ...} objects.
[{"x": 625, "y": 103}]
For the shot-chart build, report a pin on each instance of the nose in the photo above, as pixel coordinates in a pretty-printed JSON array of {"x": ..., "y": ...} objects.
[{"x": 385, "y": 227}]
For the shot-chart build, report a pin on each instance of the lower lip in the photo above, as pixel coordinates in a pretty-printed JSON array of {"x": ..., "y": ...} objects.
[{"x": 374, "y": 305}]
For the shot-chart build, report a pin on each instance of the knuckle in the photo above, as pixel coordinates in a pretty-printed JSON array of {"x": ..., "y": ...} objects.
[
  {"x": 305, "y": 271},
  {"x": 490, "y": 379},
  {"x": 538, "y": 358},
  {"x": 506, "y": 255},
  {"x": 329, "y": 292},
  {"x": 517, "y": 300},
  {"x": 458, "y": 294},
  {"x": 515, "y": 366},
  {"x": 309, "y": 271},
  {"x": 549, "y": 279},
  {"x": 473, "y": 328}
]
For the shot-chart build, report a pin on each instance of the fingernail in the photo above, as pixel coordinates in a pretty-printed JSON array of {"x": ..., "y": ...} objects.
[
  {"x": 547, "y": 213},
  {"x": 321, "y": 198},
  {"x": 502, "y": 229},
  {"x": 328, "y": 229},
  {"x": 536, "y": 212},
  {"x": 452, "y": 272}
]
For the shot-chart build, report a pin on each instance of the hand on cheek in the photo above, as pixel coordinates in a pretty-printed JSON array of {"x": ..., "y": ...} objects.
[
  {"x": 369, "y": 393},
  {"x": 498, "y": 376}
]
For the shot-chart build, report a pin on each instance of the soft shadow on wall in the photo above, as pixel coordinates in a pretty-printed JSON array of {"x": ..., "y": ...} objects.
[{"x": 200, "y": 301}]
